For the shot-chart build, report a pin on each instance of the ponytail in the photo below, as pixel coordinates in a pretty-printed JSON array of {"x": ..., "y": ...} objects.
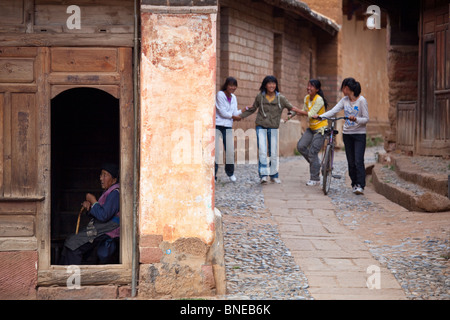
[
  {"x": 316, "y": 84},
  {"x": 353, "y": 85}
]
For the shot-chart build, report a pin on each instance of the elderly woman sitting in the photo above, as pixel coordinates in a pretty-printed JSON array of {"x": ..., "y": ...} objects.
[{"x": 103, "y": 230}]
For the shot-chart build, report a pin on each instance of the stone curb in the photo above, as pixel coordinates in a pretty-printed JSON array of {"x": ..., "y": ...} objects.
[{"x": 428, "y": 201}]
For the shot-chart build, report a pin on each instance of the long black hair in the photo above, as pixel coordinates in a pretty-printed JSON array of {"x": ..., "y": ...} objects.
[
  {"x": 228, "y": 81},
  {"x": 353, "y": 85},
  {"x": 266, "y": 80},
  {"x": 316, "y": 84}
]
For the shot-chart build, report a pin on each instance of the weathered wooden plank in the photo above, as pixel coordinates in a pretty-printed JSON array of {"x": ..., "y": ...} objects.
[
  {"x": 11, "y": 12},
  {"x": 17, "y": 208},
  {"x": 18, "y": 88},
  {"x": 406, "y": 111},
  {"x": 86, "y": 2},
  {"x": 84, "y": 78},
  {"x": 440, "y": 60},
  {"x": 16, "y": 226},
  {"x": 90, "y": 275},
  {"x": 43, "y": 214},
  {"x": 7, "y": 145},
  {"x": 2, "y": 108},
  {"x": 127, "y": 154},
  {"x": 23, "y": 150},
  {"x": 113, "y": 90},
  {"x": 64, "y": 40},
  {"x": 90, "y": 15},
  {"x": 18, "y": 243},
  {"x": 18, "y": 52},
  {"x": 13, "y": 70},
  {"x": 83, "y": 60},
  {"x": 447, "y": 58}
]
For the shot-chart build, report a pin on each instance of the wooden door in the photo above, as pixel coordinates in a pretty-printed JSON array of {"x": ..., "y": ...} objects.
[
  {"x": 21, "y": 191},
  {"x": 433, "y": 121}
]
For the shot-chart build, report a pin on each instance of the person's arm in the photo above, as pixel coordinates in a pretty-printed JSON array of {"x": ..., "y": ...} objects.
[
  {"x": 249, "y": 110},
  {"x": 316, "y": 107},
  {"x": 109, "y": 209},
  {"x": 332, "y": 112},
  {"x": 221, "y": 103},
  {"x": 236, "y": 111},
  {"x": 364, "y": 118}
]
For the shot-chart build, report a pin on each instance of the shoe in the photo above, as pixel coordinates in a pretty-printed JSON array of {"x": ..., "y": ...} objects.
[
  {"x": 354, "y": 189},
  {"x": 312, "y": 183},
  {"x": 358, "y": 190},
  {"x": 276, "y": 180},
  {"x": 264, "y": 180},
  {"x": 233, "y": 178}
]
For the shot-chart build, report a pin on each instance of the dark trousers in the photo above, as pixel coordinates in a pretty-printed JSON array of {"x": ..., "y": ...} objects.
[
  {"x": 105, "y": 249},
  {"x": 355, "y": 147},
  {"x": 223, "y": 132}
]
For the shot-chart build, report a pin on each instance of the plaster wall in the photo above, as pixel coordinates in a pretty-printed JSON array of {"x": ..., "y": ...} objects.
[{"x": 177, "y": 118}]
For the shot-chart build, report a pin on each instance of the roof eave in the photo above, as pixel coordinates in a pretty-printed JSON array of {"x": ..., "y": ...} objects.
[{"x": 302, "y": 9}]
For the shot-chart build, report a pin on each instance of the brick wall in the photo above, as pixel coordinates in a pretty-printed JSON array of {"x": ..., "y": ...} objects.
[
  {"x": 18, "y": 275},
  {"x": 255, "y": 40}
]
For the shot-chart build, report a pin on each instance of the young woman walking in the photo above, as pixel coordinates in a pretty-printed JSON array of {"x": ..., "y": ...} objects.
[
  {"x": 312, "y": 139},
  {"x": 270, "y": 104},
  {"x": 354, "y": 131},
  {"x": 226, "y": 111}
]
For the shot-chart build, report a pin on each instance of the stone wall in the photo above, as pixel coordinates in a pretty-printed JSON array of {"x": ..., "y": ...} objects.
[{"x": 403, "y": 79}]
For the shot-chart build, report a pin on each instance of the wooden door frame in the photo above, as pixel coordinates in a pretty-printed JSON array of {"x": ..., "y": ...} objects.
[{"x": 121, "y": 87}]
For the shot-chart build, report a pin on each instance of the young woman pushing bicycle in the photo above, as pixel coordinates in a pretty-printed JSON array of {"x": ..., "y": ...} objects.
[{"x": 354, "y": 131}]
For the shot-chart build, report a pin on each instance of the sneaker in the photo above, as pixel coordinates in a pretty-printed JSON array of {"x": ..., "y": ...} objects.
[
  {"x": 354, "y": 189},
  {"x": 233, "y": 178},
  {"x": 276, "y": 180},
  {"x": 264, "y": 180},
  {"x": 312, "y": 183},
  {"x": 358, "y": 190}
]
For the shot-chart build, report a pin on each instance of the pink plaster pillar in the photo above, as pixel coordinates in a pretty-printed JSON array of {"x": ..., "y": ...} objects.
[{"x": 178, "y": 66}]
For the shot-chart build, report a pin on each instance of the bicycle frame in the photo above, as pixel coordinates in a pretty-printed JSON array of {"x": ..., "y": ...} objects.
[{"x": 328, "y": 158}]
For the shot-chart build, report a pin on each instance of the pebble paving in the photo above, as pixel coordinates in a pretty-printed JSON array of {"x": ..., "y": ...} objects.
[
  {"x": 421, "y": 266},
  {"x": 259, "y": 265}
]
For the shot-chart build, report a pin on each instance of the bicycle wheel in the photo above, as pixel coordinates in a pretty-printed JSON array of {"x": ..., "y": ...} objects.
[{"x": 327, "y": 170}]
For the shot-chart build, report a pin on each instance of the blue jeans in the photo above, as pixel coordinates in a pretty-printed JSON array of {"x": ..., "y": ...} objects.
[
  {"x": 355, "y": 147},
  {"x": 268, "y": 161}
]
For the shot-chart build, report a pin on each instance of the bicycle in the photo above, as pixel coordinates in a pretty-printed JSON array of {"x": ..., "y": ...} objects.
[{"x": 328, "y": 158}]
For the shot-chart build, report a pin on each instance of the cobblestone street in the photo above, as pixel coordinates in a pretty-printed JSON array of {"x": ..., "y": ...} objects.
[{"x": 289, "y": 241}]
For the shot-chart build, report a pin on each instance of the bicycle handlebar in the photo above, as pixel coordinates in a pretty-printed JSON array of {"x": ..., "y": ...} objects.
[{"x": 332, "y": 119}]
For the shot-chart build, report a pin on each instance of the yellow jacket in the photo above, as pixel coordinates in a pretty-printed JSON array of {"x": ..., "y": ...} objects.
[{"x": 316, "y": 106}]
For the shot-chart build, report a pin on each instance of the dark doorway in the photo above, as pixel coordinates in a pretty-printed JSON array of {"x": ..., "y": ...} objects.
[{"x": 85, "y": 132}]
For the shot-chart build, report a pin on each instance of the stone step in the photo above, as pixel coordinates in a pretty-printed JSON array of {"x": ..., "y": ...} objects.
[
  {"x": 413, "y": 170},
  {"x": 409, "y": 194}
]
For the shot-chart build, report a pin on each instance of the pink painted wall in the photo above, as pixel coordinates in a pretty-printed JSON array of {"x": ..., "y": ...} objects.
[{"x": 178, "y": 72}]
